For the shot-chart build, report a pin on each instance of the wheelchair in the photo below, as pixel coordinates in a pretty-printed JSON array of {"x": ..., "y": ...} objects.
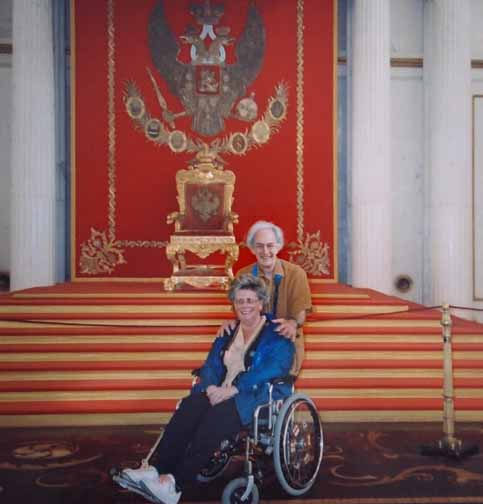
[{"x": 289, "y": 431}]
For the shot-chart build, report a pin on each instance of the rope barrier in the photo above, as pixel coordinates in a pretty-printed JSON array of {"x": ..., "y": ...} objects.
[
  {"x": 365, "y": 316},
  {"x": 334, "y": 319},
  {"x": 90, "y": 324},
  {"x": 466, "y": 308}
]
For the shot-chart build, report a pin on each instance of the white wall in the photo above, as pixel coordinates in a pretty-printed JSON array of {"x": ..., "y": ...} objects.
[
  {"x": 407, "y": 154},
  {"x": 477, "y": 85},
  {"x": 407, "y": 28},
  {"x": 5, "y": 138},
  {"x": 407, "y": 146},
  {"x": 407, "y": 41},
  {"x": 477, "y": 89},
  {"x": 476, "y": 29},
  {"x": 5, "y": 133}
]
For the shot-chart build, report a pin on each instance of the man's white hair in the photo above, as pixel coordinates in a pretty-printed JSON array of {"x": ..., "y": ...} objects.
[{"x": 259, "y": 226}]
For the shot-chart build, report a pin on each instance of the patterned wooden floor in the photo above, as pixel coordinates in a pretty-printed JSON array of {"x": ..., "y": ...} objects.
[{"x": 363, "y": 464}]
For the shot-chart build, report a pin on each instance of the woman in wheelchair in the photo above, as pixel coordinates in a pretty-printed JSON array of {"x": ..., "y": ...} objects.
[{"x": 232, "y": 383}]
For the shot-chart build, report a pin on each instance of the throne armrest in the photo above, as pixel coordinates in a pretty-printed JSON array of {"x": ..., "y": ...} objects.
[
  {"x": 232, "y": 218},
  {"x": 175, "y": 217}
]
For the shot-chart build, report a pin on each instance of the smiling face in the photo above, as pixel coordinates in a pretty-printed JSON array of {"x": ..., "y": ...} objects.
[
  {"x": 266, "y": 249},
  {"x": 247, "y": 307}
]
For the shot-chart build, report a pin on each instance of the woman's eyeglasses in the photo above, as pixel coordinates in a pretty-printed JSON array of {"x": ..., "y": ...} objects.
[{"x": 247, "y": 301}]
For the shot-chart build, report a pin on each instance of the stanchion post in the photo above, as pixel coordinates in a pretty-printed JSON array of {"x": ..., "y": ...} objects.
[
  {"x": 448, "y": 389},
  {"x": 449, "y": 445}
]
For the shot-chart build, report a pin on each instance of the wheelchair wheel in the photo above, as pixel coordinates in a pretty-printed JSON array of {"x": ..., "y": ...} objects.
[
  {"x": 298, "y": 444},
  {"x": 215, "y": 467},
  {"x": 234, "y": 491}
]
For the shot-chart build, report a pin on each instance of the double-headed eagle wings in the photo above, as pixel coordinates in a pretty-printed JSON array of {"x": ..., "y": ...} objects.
[{"x": 222, "y": 84}]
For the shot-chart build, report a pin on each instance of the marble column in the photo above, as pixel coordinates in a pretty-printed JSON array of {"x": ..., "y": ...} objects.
[
  {"x": 370, "y": 145},
  {"x": 448, "y": 178},
  {"x": 32, "y": 248}
]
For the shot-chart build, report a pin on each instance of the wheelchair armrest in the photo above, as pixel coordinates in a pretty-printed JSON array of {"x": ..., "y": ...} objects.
[
  {"x": 195, "y": 373},
  {"x": 284, "y": 380}
]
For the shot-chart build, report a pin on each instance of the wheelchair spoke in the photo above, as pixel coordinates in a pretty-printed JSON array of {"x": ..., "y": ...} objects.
[{"x": 301, "y": 445}]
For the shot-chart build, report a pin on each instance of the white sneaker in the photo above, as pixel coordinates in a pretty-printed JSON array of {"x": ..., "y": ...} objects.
[
  {"x": 140, "y": 474},
  {"x": 163, "y": 491}
]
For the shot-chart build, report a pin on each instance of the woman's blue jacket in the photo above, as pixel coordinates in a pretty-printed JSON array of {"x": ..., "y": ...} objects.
[{"x": 269, "y": 356}]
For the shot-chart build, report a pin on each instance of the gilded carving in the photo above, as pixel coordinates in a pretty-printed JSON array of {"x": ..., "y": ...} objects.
[
  {"x": 206, "y": 203},
  {"x": 201, "y": 276},
  {"x": 204, "y": 177}
]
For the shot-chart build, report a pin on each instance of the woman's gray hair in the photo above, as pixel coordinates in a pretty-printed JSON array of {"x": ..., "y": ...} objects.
[
  {"x": 258, "y": 226},
  {"x": 249, "y": 282}
]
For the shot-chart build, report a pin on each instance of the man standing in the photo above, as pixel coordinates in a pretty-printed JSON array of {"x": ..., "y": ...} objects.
[{"x": 287, "y": 283}]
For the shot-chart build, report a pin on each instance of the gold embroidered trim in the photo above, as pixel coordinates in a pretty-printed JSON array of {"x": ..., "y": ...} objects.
[
  {"x": 238, "y": 143},
  {"x": 309, "y": 252},
  {"x": 100, "y": 254},
  {"x": 300, "y": 120},
  {"x": 111, "y": 119}
]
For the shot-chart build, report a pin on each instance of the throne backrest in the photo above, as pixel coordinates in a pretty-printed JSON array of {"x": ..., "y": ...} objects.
[{"x": 205, "y": 198}]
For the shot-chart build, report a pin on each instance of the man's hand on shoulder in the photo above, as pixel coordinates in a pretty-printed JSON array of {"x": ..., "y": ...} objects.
[
  {"x": 227, "y": 325},
  {"x": 286, "y": 327}
]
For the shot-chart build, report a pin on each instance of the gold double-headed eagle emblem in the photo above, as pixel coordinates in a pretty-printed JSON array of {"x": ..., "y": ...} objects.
[{"x": 210, "y": 90}]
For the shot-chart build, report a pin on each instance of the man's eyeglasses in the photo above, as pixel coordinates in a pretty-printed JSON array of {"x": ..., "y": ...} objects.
[
  {"x": 247, "y": 301},
  {"x": 260, "y": 247}
]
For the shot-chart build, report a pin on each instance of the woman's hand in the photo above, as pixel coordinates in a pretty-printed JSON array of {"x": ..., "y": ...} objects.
[{"x": 217, "y": 395}]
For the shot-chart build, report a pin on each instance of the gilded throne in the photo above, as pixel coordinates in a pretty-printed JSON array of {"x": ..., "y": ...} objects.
[{"x": 203, "y": 226}]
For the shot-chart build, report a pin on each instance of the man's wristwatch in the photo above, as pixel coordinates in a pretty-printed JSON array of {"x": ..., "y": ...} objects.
[{"x": 297, "y": 323}]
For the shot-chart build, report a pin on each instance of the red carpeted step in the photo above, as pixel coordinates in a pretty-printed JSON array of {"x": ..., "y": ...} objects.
[
  {"x": 188, "y": 343},
  {"x": 185, "y": 384},
  {"x": 86, "y": 407},
  {"x": 95, "y": 349},
  {"x": 394, "y": 404},
  {"x": 78, "y": 363},
  {"x": 168, "y": 405}
]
